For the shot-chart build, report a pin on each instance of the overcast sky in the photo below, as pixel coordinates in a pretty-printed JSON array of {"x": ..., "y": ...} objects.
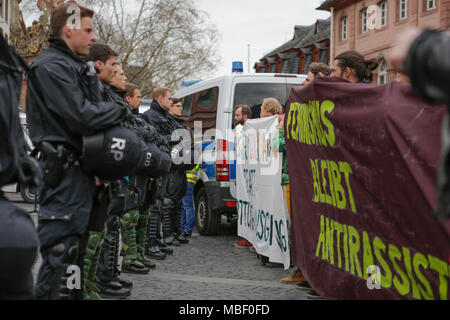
[{"x": 264, "y": 24}]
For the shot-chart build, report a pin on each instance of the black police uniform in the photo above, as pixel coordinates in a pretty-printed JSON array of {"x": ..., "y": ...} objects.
[
  {"x": 126, "y": 200},
  {"x": 146, "y": 185},
  {"x": 60, "y": 112},
  {"x": 160, "y": 119},
  {"x": 111, "y": 285},
  {"x": 18, "y": 238},
  {"x": 175, "y": 191},
  {"x": 170, "y": 188}
]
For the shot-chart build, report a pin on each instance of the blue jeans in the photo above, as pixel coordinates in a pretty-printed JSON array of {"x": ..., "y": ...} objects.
[{"x": 187, "y": 210}]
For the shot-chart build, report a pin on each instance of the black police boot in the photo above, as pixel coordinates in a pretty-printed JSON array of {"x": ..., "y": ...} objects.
[
  {"x": 165, "y": 248},
  {"x": 179, "y": 235},
  {"x": 149, "y": 264},
  {"x": 153, "y": 251},
  {"x": 113, "y": 290},
  {"x": 182, "y": 239},
  {"x": 125, "y": 283},
  {"x": 169, "y": 236},
  {"x": 135, "y": 269},
  {"x": 171, "y": 241},
  {"x": 168, "y": 224}
]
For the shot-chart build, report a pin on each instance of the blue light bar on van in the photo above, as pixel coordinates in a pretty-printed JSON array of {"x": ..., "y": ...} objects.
[{"x": 238, "y": 66}]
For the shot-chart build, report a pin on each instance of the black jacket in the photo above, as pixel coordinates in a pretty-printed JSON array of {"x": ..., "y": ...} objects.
[
  {"x": 59, "y": 108},
  {"x": 12, "y": 144},
  {"x": 159, "y": 118},
  {"x": 428, "y": 66},
  {"x": 166, "y": 125},
  {"x": 135, "y": 120}
]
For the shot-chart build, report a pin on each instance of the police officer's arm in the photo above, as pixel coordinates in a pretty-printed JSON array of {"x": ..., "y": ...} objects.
[
  {"x": 60, "y": 88},
  {"x": 153, "y": 120}
]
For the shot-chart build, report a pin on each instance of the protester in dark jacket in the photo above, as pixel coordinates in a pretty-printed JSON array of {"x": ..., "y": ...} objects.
[{"x": 424, "y": 55}]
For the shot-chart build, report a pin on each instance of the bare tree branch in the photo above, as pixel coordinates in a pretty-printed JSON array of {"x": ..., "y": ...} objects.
[{"x": 159, "y": 42}]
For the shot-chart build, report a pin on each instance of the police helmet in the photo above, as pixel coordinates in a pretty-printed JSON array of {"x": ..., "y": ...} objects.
[
  {"x": 155, "y": 162},
  {"x": 113, "y": 153}
]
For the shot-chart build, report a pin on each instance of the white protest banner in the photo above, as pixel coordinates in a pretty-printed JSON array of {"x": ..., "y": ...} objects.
[{"x": 263, "y": 217}]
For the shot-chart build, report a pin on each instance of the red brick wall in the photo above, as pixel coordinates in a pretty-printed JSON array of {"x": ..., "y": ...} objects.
[
  {"x": 279, "y": 62},
  {"x": 315, "y": 54},
  {"x": 302, "y": 63}
]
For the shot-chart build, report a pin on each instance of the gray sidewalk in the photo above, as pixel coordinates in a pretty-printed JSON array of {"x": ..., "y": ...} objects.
[{"x": 208, "y": 268}]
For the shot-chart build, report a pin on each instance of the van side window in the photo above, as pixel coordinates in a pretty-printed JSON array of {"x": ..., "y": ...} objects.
[
  {"x": 187, "y": 101},
  {"x": 207, "y": 99},
  {"x": 253, "y": 94},
  {"x": 204, "y": 108}
]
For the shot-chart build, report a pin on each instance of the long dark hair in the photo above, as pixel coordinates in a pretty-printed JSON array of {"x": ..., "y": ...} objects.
[{"x": 354, "y": 60}]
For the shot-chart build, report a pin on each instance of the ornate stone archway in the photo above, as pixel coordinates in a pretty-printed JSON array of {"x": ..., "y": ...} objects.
[{"x": 30, "y": 42}]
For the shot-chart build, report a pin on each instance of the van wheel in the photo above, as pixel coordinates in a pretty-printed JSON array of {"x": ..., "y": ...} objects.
[
  {"x": 208, "y": 222},
  {"x": 28, "y": 194}
]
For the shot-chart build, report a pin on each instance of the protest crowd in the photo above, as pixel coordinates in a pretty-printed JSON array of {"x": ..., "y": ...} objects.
[{"x": 113, "y": 181}]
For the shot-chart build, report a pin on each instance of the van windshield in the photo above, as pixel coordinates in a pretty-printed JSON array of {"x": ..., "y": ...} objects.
[{"x": 253, "y": 94}]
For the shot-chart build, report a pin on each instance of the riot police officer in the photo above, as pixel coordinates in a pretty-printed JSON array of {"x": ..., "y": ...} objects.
[
  {"x": 165, "y": 206},
  {"x": 177, "y": 186},
  {"x": 60, "y": 112},
  {"x": 18, "y": 238},
  {"x": 135, "y": 221},
  {"x": 159, "y": 117},
  {"x": 103, "y": 243}
]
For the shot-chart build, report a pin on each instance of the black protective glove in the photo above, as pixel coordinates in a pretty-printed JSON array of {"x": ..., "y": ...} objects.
[
  {"x": 127, "y": 115},
  {"x": 163, "y": 144},
  {"x": 149, "y": 133},
  {"x": 29, "y": 172}
]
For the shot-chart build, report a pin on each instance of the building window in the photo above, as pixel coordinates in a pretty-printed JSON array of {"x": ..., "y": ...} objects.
[
  {"x": 431, "y": 4},
  {"x": 344, "y": 27},
  {"x": 403, "y": 9},
  {"x": 2, "y": 9},
  {"x": 382, "y": 73},
  {"x": 364, "y": 27},
  {"x": 383, "y": 14}
]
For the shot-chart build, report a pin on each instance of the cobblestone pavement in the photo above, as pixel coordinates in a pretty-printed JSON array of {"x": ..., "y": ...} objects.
[{"x": 208, "y": 268}]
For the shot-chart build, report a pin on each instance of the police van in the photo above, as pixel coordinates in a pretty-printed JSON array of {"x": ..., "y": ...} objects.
[{"x": 212, "y": 103}]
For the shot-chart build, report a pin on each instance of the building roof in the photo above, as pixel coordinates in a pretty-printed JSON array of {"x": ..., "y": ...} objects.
[
  {"x": 336, "y": 4},
  {"x": 304, "y": 35},
  {"x": 323, "y": 33}
]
